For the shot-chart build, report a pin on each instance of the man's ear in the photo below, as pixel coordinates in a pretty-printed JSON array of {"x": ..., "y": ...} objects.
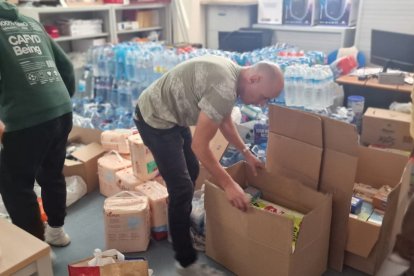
[{"x": 255, "y": 78}]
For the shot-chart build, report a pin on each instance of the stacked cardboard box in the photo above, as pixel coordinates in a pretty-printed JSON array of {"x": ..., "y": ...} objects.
[{"x": 309, "y": 157}]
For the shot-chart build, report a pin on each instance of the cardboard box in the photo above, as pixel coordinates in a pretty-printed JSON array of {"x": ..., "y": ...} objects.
[
  {"x": 86, "y": 166},
  {"x": 338, "y": 12},
  {"x": 259, "y": 242},
  {"x": 300, "y": 12},
  {"x": 386, "y": 128},
  {"x": 270, "y": 11},
  {"x": 368, "y": 244},
  {"x": 322, "y": 153},
  {"x": 294, "y": 155},
  {"x": 218, "y": 146}
]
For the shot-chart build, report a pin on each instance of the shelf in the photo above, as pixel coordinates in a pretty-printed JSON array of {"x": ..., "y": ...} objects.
[
  {"x": 70, "y": 38},
  {"x": 156, "y": 28},
  {"x": 138, "y": 7},
  {"x": 228, "y": 2},
  {"x": 55, "y": 10},
  {"x": 316, "y": 28}
]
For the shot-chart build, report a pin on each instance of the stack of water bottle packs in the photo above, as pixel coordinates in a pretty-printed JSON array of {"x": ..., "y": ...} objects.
[
  {"x": 136, "y": 204},
  {"x": 115, "y": 75}
]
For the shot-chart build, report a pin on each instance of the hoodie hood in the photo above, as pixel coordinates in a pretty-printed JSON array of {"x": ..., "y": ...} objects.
[{"x": 8, "y": 11}]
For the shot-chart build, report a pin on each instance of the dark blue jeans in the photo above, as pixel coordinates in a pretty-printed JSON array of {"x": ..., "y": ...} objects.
[
  {"x": 37, "y": 153},
  {"x": 179, "y": 167}
]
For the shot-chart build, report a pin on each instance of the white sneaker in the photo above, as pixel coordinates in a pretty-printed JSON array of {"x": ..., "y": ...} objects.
[
  {"x": 56, "y": 236},
  {"x": 197, "y": 269},
  {"x": 394, "y": 265}
]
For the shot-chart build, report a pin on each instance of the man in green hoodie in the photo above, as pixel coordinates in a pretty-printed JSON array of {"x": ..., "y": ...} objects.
[{"x": 36, "y": 82}]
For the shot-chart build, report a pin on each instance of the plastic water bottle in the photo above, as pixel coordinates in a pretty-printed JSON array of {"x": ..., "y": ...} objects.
[
  {"x": 100, "y": 92},
  {"x": 113, "y": 99},
  {"x": 124, "y": 95},
  {"x": 300, "y": 85},
  {"x": 317, "y": 99},
  {"x": 130, "y": 63},
  {"x": 289, "y": 86},
  {"x": 308, "y": 88}
]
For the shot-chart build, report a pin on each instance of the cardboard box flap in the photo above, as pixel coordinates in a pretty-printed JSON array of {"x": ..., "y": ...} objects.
[
  {"x": 294, "y": 158},
  {"x": 362, "y": 237},
  {"x": 298, "y": 125},
  {"x": 315, "y": 223},
  {"x": 387, "y": 114},
  {"x": 340, "y": 136},
  {"x": 218, "y": 144},
  {"x": 339, "y": 165},
  {"x": 85, "y": 135},
  {"x": 378, "y": 168},
  {"x": 71, "y": 163},
  {"x": 88, "y": 152}
]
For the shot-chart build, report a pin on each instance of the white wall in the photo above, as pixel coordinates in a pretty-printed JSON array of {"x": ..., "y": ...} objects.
[
  {"x": 195, "y": 14},
  {"x": 387, "y": 15}
]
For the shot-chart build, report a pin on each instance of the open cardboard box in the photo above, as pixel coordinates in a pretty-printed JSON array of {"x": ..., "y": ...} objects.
[
  {"x": 368, "y": 244},
  {"x": 318, "y": 152},
  {"x": 259, "y": 242},
  {"x": 87, "y": 157}
]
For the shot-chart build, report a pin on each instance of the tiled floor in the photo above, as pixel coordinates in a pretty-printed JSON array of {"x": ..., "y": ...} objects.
[{"x": 85, "y": 225}]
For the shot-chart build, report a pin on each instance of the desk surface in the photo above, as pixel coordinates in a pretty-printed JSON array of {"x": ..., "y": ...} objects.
[
  {"x": 18, "y": 248},
  {"x": 353, "y": 80}
]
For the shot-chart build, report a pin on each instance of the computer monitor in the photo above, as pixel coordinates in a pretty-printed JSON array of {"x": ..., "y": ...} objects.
[
  {"x": 245, "y": 39},
  {"x": 392, "y": 50}
]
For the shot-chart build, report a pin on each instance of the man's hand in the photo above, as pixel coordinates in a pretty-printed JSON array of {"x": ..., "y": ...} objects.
[
  {"x": 253, "y": 162},
  {"x": 2, "y": 127},
  {"x": 236, "y": 196}
]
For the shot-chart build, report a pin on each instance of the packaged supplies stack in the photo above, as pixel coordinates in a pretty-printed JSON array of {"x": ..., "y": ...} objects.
[
  {"x": 78, "y": 27},
  {"x": 116, "y": 140},
  {"x": 127, "y": 222},
  {"x": 126, "y": 180},
  {"x": 158, "y": 196},
  {"x": 108, "y": 165},
  {"x": 369, "y": 203},
  {"x": 143, "y": 163}
]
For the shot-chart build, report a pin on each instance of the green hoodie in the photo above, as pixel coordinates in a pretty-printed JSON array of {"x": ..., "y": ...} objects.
[{"x": 36, "y": 77}]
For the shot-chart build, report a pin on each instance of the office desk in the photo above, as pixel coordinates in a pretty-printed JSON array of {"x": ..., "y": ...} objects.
[
  {"x": 376, "y": 94},
  {"x": 21, "y": 253}
]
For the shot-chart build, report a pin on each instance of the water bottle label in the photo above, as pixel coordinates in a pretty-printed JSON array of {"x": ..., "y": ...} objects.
[{"x": 82, "y": 86}]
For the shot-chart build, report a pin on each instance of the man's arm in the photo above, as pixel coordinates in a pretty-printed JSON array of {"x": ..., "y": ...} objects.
[
  {"x": 65, "y": 67},
  {"x": 204, "y": 133},
  {"x": 2, "y": 127},
  {"x": 229, "y": 131}
]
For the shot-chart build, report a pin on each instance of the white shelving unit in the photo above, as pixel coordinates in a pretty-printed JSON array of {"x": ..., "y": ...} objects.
[
  {"x": 110, "y": 16},
  {"x": 79, "y": 37},
  {"x": 321, "y": 38},
  {"x": 162, "y": 20}
]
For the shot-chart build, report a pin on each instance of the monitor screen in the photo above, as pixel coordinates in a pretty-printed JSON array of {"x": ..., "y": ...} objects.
[{"x": 392, "y": 50}]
